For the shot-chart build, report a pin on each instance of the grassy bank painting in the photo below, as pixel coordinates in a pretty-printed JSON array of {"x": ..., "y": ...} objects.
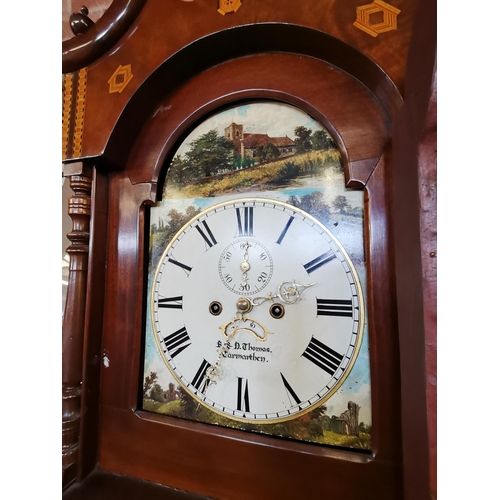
[{"x": 274, "y": 151}]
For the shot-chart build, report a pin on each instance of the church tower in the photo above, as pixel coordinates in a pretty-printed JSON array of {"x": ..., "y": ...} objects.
[{"x": 234, "y": 132}]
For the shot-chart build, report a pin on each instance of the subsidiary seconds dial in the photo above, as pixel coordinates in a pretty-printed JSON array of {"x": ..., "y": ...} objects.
[{"x": 245, "y": 266}]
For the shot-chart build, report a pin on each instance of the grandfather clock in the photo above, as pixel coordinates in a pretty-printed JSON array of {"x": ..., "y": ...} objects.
[{"x": 252, "y": 257}]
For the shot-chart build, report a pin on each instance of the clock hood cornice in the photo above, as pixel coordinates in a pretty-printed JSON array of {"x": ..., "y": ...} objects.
[{"x": 151, "y": 51}]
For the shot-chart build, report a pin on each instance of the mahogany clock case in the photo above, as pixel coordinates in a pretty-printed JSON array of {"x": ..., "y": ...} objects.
[{"x": 226, "y": 463}]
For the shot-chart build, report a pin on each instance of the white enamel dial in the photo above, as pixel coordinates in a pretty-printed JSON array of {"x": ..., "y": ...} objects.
[{"x": 282, "y": 345}]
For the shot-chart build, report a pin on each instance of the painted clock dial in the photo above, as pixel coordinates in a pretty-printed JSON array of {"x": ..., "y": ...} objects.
[
  {"x": 242, "y": 360},
  {"x": 255, "y": 317}
]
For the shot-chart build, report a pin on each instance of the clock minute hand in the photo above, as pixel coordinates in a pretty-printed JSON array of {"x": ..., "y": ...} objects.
[{"x": 288, "y": 292}]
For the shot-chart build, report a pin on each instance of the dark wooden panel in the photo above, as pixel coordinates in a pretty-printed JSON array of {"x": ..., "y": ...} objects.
[
  {"x": 102, "y": 485},
  {"x": 92, "y": 358},
  {"x": 223, "y": 464},
  {"x": 124, "y": 293},
  {"x": 382, "y": 306},
  {"x": 415, "y": 240}
]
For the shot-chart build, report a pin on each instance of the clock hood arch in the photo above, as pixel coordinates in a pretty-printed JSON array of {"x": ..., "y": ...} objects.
[{"x": 229, "y": 46}]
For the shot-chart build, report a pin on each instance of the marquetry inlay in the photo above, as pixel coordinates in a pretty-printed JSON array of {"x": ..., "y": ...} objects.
[
  {"x": 227, "y": 6},
  {"x": 376, "y": 17},
  {"x": 120, "y": 78},
  {"x": 79, "y": 113},
  {"x": 66, "y": 115}
]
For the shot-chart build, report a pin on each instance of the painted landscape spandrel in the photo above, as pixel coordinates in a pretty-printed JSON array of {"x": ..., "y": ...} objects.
[{"x": 267, "y": 150}]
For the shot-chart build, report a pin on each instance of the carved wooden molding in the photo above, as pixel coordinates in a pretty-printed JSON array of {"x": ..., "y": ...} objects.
[
  {"x": 79, "y": 209},
  {"x": 84, "y": 49}
]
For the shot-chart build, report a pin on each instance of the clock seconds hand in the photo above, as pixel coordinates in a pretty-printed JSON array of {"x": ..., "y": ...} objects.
[
  {"x": 245, "y": 265},
  {"x": 288, "y": 292}
]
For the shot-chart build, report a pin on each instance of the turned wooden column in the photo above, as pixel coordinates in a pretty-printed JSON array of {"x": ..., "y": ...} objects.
[{"x": 79, "y": 204}]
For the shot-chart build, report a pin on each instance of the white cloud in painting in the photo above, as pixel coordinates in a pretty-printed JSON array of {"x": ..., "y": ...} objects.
[{"x": 274, "y": 119}]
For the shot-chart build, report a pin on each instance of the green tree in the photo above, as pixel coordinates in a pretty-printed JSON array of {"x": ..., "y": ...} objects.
[
  {"x": 188, "y": 405},
  {"x": 266, "y": 153},
  {"x": 303, "y": 139},
  {"x": 321, "y": 140},
  {"x": 247, "y": 162},
  {"x": 271, "y": 152},
  {"x": 340, "y": 203},
  {"x": 237, "y": 162},
  {"x": 259, "y": 154},
  {"x": 157, "y": 393},
  {"x": 314, "y": 204},
  {"x": 289, "y": 171},
  {"x": 210, "y": 152},
  {"x": 179, "y": 170},
  {"x": 315, "y": 421},
  {"x": 149, "y": 382},
  {"x": 160, "y": 240}
]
